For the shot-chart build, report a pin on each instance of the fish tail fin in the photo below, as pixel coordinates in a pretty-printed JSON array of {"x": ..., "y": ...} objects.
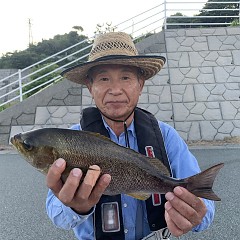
[{"x": 201, "y": 184}]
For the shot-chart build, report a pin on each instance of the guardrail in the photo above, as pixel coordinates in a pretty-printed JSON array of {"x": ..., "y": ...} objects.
[{"x": 160, "y": 17}]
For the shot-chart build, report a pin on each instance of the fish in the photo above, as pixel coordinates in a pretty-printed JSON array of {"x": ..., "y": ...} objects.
[{"x": 132, "y": 173}]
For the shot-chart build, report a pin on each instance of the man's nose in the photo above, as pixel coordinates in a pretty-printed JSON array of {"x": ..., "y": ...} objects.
[{"x": 115, "y": 87}]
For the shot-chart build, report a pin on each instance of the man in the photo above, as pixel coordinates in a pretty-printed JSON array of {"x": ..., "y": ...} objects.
[{"x": 115, "y": 75}]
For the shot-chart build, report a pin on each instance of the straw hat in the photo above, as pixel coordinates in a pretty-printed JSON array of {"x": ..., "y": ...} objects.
[{"x": 115, "y": 48}]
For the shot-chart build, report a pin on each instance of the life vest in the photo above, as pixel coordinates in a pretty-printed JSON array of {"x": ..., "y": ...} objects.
[{"x": 148, "y": 134}]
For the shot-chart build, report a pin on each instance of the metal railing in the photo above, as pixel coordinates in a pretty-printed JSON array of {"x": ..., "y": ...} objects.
[{"x": 153, "y": 20}]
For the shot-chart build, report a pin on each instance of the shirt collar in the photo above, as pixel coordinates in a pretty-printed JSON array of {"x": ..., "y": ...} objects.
[{"x": 131, "y": 128}]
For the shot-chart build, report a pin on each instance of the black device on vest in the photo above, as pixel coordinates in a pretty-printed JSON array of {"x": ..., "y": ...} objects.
[{"x": 148, "y": 134}]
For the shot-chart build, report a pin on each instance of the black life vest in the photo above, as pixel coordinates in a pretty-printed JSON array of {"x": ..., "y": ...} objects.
[{"x": 148, "y": 134}]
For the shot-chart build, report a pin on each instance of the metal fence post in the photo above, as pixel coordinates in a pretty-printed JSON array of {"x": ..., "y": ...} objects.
[
  {"x": 165, "y": 14},
  {"x": 239, "y": 13},
  {"x": 20, "y": 84}
]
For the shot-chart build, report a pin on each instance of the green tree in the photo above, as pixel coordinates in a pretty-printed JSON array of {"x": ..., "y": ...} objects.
[
  {"x": 19, "y": 60},
  {"x": 44, "y": 49},
  {"x": 180, "y": 20},
  {"x": 208, "y": 10},
  {"x": 224, "y": 12}
]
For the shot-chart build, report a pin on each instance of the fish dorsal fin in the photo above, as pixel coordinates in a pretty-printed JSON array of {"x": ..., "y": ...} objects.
[
  {"x": 156, "y": 163},
  {"x": 98, "y": 135},
  {"x": 139, "y": 195}
]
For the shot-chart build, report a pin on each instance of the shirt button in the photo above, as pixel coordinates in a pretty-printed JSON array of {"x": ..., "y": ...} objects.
[
  {"x": 126, "y": 231},
  {"x": 124, "y": 205},
  {"x": 74, "y": 218}
]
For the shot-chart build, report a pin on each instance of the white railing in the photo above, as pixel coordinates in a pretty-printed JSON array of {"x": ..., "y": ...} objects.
[{"x": 150, "y": 21}]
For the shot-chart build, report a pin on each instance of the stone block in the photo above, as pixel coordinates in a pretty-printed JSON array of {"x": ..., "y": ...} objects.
[
  {"x": 193, "y": 32},
  {"x": 183, "y": 129},
  {"x": 226, "y": 128},
  {"x": 176, "y": 76},
  {"x": 73, "y": 100},
  {"x": 195, "y": 59},
  {"x": 180, "y": 112},
  {"x": 165, "y": 96},
  {"x": 224, "y": 61},
  {"x": 60, "y": 112},
  {"x": 205, "y": 78},
  {"x": 172, "y": 45},
  {"x": 184, "y": 61},
  {"x": 160, "y": 80},
  {"x": 235, "y": 132},
  {"x": 236, "y": 56},
  {"x": 71, "y": 118},
  {"x": 212, "y": 114},
  {"x": 229, "y": 111},
  {"x": 75, "y": 91},
  {"x": 25, "y": 119},
  {"x": 164, "y": 112},
  {"x": 4, "y": 139},
  {"x": 208, "y": 132},
  {"x": 42, "y": 115},
  {"x": 4, "y": 129},
  {"x": 221, "y": 75},
  {"x": 56, "y": 102},
  {"x": 55, "y": 121},
  {"x": 178, "y": 92},
  {"x": 233, "y": 30},
  {"x": 194, "y": 132},
  {"x": 144, "y": 98},
  {"x": 231, "y": 95},
  {"x": 154, "y": 99},
  {"x": 201, "y": 93},
  {"x": 234, "y": 71},
  {"x": 73, "y": 109},
  {"x": 86, "y": 100},
  {"x": 152, "y": 108}
]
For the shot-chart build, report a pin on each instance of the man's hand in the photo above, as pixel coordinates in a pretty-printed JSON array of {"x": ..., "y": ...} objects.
[
  {"x": 183, "y": 211},
  {"x": 80, "y": 197}
]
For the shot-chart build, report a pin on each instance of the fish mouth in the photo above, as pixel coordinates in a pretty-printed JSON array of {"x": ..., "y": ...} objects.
[
  {"x": 15, "y": 143},
  {"x": 16, "y": 139},
  {"x": 13, "y": 140}
]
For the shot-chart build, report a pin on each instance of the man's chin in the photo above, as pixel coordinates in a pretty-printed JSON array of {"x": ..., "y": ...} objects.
[{"x": 117, "y": 114}]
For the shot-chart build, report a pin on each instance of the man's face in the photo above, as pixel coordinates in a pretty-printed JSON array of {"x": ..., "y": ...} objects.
[{"x": 115, "y": 89}]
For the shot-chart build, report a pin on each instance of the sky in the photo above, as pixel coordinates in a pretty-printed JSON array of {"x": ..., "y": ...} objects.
[{"x": 51, "y": 17}]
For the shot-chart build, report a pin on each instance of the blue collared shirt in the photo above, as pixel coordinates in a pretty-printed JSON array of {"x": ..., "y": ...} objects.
[{"x": 182, "y": 162}]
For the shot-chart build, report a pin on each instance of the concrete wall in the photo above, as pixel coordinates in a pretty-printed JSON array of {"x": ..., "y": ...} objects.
[
  {"x": 201, "y": 96},
  {"x": 197, "y": 91},
  {"x": 56, "y": 106}
]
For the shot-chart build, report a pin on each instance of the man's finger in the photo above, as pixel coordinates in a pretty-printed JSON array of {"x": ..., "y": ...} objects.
[
  {"x": 53, "y": 179},
  {"x": 188, "y": 198},
  {"x": 177, "y": 218},
  {"x": 175, "y": 231},
  {"x": 89, "y": 182},
  {"x": 192, "y": 207},
  {"x": 69, "y": 188},
  {"x": 100, "y": 187}
]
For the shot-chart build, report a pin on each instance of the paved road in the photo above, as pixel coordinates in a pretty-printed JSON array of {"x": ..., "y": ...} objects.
[{"x": 23, "y": 192}]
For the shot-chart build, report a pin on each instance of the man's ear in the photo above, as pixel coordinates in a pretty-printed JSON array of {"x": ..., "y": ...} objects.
[
  {"x": 89, "y": 85},
  {"x": 141, "y": 83}
]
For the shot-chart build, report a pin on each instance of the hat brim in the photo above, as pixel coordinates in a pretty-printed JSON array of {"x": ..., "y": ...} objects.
[{"x": 149, "y": 64}]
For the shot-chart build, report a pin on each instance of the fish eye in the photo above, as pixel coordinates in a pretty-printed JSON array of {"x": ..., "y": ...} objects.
[{"x": 27, "y": 146}]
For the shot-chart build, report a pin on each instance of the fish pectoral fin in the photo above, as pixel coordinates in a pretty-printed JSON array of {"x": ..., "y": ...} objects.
[{"x": 139, "y": 195}]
